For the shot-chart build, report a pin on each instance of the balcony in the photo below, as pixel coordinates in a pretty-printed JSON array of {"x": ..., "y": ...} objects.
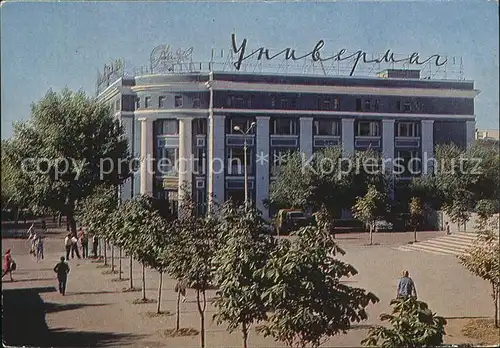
[
  {"x": 291, "y": 141},
  {"x": 407, "y": 142},
  {"x": 238, "y": 140},
  {"x": 365, "y": 142},
  {"x": 326, "y": 141}
]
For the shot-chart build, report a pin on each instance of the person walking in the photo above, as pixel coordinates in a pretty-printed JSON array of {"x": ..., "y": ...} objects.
[
  {"x": 406, "y": 287},
  {"x": 447, "y": 227},
  {"x": 62, "y": 270},
  {"x": 67, "y": 244},
  {"x": 74, "y": 247},
  {"x": 95, "y": 245},
  {"x": 84, "y": 241},
  {"x": 8, "y": 265},
  {"x": 44, "y": 226},
  {"x": 39, "y": 248}
]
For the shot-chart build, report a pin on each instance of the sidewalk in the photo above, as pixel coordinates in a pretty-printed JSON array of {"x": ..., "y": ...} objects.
[{"x": 95, "y": 311}]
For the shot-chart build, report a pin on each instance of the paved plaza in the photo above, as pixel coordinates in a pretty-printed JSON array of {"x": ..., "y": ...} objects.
[{"x": 95, "y": 311}]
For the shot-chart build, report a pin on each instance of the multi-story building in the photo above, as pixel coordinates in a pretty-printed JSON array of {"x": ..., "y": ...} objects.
[
  {"x": 178, "y": 116},
  {"x": 488, "y": 134}
]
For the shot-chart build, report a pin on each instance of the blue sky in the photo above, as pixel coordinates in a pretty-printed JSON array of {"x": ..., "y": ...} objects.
[{"x": 53, "y": 45}]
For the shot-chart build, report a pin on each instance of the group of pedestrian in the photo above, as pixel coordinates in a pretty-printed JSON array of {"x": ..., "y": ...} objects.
[
  {"x": 74, "y": 242},
  {"x": 36, "y": 242}
]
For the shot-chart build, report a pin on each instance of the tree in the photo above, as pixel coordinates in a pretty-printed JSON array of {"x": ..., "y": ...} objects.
[
  {"x": 245, "y": 250},
  {"x": 304, "y": 292},
  {"x": 416, "y": 215},
  {"x": 369, "y": 207},
  {"x": 327, "y": 181},
  {"x": 190, "y": 255},
  {"x": 70, "y": 145},
  {"x": 482, "y": 259},
  {"x": 413, "y": 326},
  {"x": 96, "y": 212}
]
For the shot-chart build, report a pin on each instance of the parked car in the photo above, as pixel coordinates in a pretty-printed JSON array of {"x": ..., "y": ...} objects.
[
  {"x": 383, "y": 226},
  {"x": 290, "y": 219}
]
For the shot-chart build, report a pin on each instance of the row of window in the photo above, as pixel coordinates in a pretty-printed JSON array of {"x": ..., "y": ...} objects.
[
  {"x": 162, "y": 102},
  {"x": 290, "y": 126}
]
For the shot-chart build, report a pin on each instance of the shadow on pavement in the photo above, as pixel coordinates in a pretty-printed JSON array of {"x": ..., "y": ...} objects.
[
  {"x": 69, "y": 293},
  {"x": 24, "y": 323}
]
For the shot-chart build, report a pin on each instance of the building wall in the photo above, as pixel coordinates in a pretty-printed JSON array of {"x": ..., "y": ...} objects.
[{"x": 446, "y": 132}]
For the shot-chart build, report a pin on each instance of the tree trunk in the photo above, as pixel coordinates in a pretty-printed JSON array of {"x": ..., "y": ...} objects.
[
  {"x": 177, "y": 311},
  {"x": 105, "y": 253},
  {"x": 120, "y": 263},
  {"x": 71, "y": 223},
  {"x": 415, "y": 234},
  {"x": 201, "y": 310},
  {"x": 244, "y": 331},
  {"x": 54, "y": 218},
  {"x": 371, "y": 234},
  {"x": 496, "y": 295},
  {"x": 112, "y": 258},
  {"x": 130, "y": 273},
  {"x": 59, "y": 220},
  {"x": 144, "y": 283},
  {"x": 158, "y": 310},
  {"x": 16, "y": 214}
]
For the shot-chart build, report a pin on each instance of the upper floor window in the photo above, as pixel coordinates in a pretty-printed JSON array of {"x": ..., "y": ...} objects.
[
  {"x": 328, "y": 104},
  {"x": 196, "y": 103},
  {"x": 117, "y": 105},
  {"x": 368, "y": 129},
  {"x": 408, "y": 129},
  {"x": 167, "y": 127},
  {"x": 147, "y": 102},
  {"x": 407, "y": 107},
  {"x": 408, "y": 163},
  {"x": 273, "y": 102},
  {"x": 336, "y": 104},
  {"x": 161, "y": 101},
  {"x": 284, "y": 126},
  {"x": 326, "y": 127},
  {"x": 236, "y": 160},
  {"x": 243, "y": 123},
  {"x": 238, "y": 102},
  {"x": 200, "y": 126},
  {"x": 367, "y": 105},
  {"x": 138, "y": 103},
  {"x": 178, "y": 102},
  {"x": 376, "y": 106},
  {"x": 285, "y": 104}
]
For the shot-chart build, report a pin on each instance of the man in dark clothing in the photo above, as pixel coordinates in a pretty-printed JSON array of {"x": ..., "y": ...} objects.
[
  {"x": 95, "y": 244},
  {"x": 406, "y": 287},
  {"x": 62, "y": 270}
]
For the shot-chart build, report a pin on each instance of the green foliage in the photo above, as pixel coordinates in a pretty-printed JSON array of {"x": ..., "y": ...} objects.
[
  {"x": 413, "y": 325},
  {"x": 308, "y": 301},
  {"x": 80, "y": 139},
  {"x": 461, "y": 179},
  {"x": 96, "y": 211},
  {"x": 482, "y": 259},
  {"x": 416, "y": 211},
  {"x": 247, "y": 245},
  {"x": 327, "y": 181},
  {"x": 370, "y": 206}
]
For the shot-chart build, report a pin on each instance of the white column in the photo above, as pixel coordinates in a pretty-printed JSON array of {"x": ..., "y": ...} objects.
[
  {"x": 185, "y": 157},
  {"x": 262, "y": 164},
  {"x": 146, "y": 167},
  {"x": 216, "y": 160},
  {"x": 306, "y": 136},
  {"x": 348, "y": 136},
  {"x": 388, "y": 143},
  {"x": 470, "y": 132},
  {"x": 427, "y": 146}
]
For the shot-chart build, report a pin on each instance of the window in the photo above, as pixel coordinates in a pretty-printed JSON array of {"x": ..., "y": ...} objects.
[
  {"x": 138, "y": 103},
  {"x": 147, "y": 102},
  {"x": 294, "y": 104},
  {"x": 273, "y": 102},
  {"x": 278, "y": 159},
  {"x": 237, "y": 102},
  {"x": 408, "y": 129},
  {"x": 167, "y": 127},
  {"x": 178, "y": 102},
  {"x": 200, "y": 126},
  {"x": 407, "y": 107},
  {"x": 377, "y": 105},
  {"x": 368, "y": 129},
  {"x": 196, "y": 103},
  {"x": 161, "y": 101},
  {"x": 236, "y": 161},
  {"x": 285, "y": 104},
  {"x": 242, "y": 122},
  {"x": 336, "y": 104},
  {"x": 408, "y": 163},
  {"x": 367, "y": 105},
  {"x": 200, "y": 161},
  {"x": 117, "y": 105},
  {"x": 358, "y": 105},
  {"x": 398, "y": 105},
  {"x": 284, "y": 126},
  {"x": 326, "y": 127},
  {"x": 167, "y": 161}
]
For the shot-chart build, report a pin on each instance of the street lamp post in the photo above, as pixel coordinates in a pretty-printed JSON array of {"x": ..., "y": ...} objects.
[{"x": 245, "y": 173}]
